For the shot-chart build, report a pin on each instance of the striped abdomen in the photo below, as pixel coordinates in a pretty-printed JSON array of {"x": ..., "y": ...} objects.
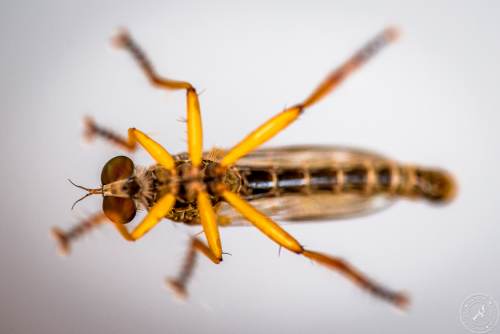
[{"x": 363, "y": 178}]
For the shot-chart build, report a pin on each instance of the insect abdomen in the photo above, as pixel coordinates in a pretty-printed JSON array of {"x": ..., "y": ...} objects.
[{"x": 363, "y": 178}]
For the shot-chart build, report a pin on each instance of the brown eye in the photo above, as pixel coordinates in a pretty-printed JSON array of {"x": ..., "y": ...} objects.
[
  {"x": 119, "y": 210},
  {"x": 118, "y": 168}
]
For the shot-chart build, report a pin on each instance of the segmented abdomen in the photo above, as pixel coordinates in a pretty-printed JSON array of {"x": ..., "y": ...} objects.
[{"x": 361, "y": 178}]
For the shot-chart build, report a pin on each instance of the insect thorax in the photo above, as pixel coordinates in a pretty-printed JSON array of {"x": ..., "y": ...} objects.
[{"x": 185, "y": 210}]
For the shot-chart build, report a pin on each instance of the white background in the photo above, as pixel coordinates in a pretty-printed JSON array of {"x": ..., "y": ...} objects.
[{"x": 432, "y": 99}]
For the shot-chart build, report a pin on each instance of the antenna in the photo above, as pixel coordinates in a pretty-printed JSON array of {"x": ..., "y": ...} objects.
[{"x": 90, "y": 191}]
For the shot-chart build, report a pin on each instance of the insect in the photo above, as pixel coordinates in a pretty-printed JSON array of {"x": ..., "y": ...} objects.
[{"x": 222, "y": 188}]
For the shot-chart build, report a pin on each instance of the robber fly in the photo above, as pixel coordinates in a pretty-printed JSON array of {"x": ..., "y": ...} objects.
[{"x": 245, "y": 184}]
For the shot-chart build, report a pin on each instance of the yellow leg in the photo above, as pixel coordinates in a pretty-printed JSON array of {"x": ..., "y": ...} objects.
[
  {"x": 195, "y": 129},
  {"x": 262, "y": 222},
  {"x": 178, "y": 284},
  {"x": 157, "y": 152},
  {"x": 283, "y": 119},
  {"x": 281, "y": 237},
  {"x": 157, "y": 212},
  {"x": 209, "y": 223}
]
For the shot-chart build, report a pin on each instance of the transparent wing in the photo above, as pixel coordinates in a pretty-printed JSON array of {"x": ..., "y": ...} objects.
[
  {"x": 325, "y": 206},
  {"x": 308, "y": 155},
  {"x": 309, "y": 208}
]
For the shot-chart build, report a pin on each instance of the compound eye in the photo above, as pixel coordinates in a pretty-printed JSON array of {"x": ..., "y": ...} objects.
[
  {"x": 118, "y": 168},
  {"x": 119, "y": 210}
]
